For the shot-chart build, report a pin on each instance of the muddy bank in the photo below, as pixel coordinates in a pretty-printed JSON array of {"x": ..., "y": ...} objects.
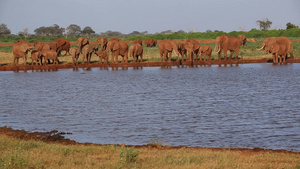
[
  {"x": 58, "y": 137},
  {"x": 138, "y": 65}
]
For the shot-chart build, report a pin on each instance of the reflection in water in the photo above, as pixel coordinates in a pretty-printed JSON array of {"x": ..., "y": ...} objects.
[{"x": 248, "y": 105}]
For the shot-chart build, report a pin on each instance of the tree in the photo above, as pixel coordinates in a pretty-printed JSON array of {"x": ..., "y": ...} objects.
[
  {"x": 167, "y": 32},
  {"x": 24, "y": 32},
  {"x": 4, "y": 30},
  {"x": 50, "y": 30},
  {"x": 264, "y": 24},
  {"x": 290, "y": 26},
  {"x": 111, "y": 33},
  {"x": 88, "y": 31},
  {"x": 180, "y": 31},
  {"x": 73, "y": 30}
]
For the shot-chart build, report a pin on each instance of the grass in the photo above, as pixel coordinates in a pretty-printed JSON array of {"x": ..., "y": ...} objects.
[
  {"x": 16, "y": 153},
  {"x": 151, "y": 54}
]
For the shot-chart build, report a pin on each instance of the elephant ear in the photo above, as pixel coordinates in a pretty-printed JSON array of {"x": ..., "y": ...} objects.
[
  {"x": 116, "y": 46},
  {"x": 168, "y": 47},
  {"x": 23, "y": 47}
]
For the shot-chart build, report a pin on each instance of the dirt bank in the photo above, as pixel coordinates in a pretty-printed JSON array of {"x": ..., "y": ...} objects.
[{"x": 57, "y": 137}]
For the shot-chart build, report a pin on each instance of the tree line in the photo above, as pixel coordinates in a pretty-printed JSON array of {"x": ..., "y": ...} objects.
[{"x": 74, "y": 30}]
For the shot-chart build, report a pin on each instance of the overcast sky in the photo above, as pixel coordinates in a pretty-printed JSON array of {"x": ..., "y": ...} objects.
[{"x": 153, "y": 16}]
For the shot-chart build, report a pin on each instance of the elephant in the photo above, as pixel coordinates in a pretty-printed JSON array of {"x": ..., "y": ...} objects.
[
  {"x": 37, "y": 57},
  {"x": 75, "y": 52},
  {"x": 182, "y": 50},
  {"x": 20, "y": 50},
  {"x": 102, "y": 42},
  {"x": 206, "y": 50},
  {"x": 139, "y": 41},
  {"x": 87, "y": 52},
  {"x": 41, "y": 46},
  {"x": 63, "y": 44},
  {"x": 136, "y": 50},
  {"x": 242, "y": 38},
  {"x": 166, "y": 48},
  {"x": 103, "y": 56},
  {"x": 117, "y": 48},
  {"x": 50, "y": 54},
  {"x": 281, "y": 40},
  {"x": 224, "y": 43},
  {"x": 150, "y": 42},
  {"x": 278, "y": 49},
  {"x": 192, "y": 47},
  {"x": 82, "y": 41}
]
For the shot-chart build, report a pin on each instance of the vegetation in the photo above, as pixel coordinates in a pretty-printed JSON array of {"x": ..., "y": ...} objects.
[
  {"x": 16, "y": 153},
  {"x": 264, "y": 24}
]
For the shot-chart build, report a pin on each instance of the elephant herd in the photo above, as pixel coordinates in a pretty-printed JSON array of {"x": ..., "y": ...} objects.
[{"x": 189, "y": 49}]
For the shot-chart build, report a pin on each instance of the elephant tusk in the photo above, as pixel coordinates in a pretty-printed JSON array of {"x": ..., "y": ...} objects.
[
  {"x": 260, "y": 48},
  {"x": 219, "y": 49}
]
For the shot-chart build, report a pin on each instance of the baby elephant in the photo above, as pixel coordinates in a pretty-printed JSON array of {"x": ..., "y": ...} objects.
[
  {"x": 206, "y": 50},
  {"x": 74, "y": 52},
  {"x": 50, "y": 54},
  {"x": 103, "y": 55},
  {"x": 277, "y": 50},
  {"x": 37, "y": 57}
]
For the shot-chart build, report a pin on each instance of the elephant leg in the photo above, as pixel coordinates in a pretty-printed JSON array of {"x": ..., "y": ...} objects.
[
  {"x": 161, "y": 56},
  {"x": 231, "y": 53},
  {"x": 219, "y": 56},
  {"x": 83, "y": 59},
  {"x": 116, "y": 59},
  {"x": 170, "y": 56},
  {"x": 25, "y": 60},
  {"x": 225, "y": 54}
]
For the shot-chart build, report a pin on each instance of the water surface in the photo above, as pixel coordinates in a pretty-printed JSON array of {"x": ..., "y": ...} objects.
[{"x": 250, "y": 105}]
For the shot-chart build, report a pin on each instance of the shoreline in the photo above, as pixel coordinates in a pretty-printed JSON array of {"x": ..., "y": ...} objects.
[
  {"x": 137, "y": 65},
  {"x": 55, "y": 137}
]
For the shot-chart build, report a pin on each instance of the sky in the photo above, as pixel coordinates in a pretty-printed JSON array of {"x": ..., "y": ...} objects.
[{"x": 153, "y": 16}]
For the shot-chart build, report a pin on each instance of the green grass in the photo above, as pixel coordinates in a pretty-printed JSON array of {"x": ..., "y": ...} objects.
[{"x": 16, "y": 153}]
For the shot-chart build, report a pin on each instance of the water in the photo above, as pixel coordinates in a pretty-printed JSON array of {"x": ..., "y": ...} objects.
[{"x": 245, "y": 106}]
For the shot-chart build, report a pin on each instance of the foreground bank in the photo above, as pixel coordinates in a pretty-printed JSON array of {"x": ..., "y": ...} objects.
[{"x": 20, "y": 149}]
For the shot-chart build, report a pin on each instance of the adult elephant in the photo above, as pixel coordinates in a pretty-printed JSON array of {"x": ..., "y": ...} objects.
[
  {"x": 20, "y": 50},
  {"x": 166, "y": 48},
  {"x": 136, "y": 50},
  {"x": 150, "y": 42},
  {"x": 82, "y": 41},
  {"x": 242, "y": 38},
  {"x": 118, "y": 47},
  {"x": 192, "y": 47},
  {"x": 182, "y": 50},
  {"x": 225, "y": 43},
  {"x": 280, "y": 40},
  {"x": 63, "y": 44},
  {"x": 41, "y": 46},
  {"x": 102, "y": 42}
]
